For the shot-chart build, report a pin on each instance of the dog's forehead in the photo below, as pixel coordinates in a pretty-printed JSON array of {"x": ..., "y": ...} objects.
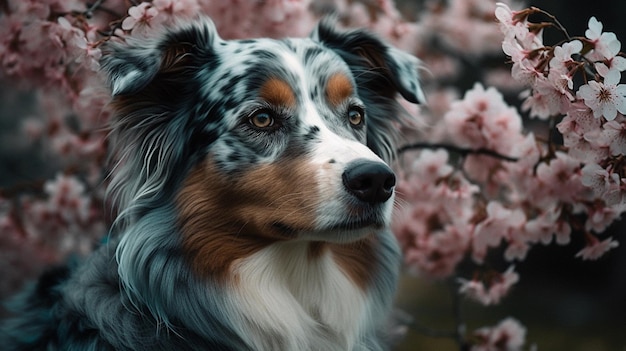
[
  {"x": 300, "y": 62},
  {"x": 307, "y": 52}
]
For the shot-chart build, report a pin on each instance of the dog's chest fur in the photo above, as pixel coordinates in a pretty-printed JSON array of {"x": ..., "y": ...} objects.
[{"x": 308, "y": 303}]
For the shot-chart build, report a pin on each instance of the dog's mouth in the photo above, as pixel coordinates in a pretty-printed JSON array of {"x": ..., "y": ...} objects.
[
  {"x": 360, "y": 224},
  {"x": 285, "y": 230}
]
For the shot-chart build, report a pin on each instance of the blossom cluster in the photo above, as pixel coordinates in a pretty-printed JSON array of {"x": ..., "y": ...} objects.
[
  {"x": 508, "y": 187},
  {"x": 509, "y": 334},
  {"x": 48, "y": 227},
  {"x": 477, "y": 182}
]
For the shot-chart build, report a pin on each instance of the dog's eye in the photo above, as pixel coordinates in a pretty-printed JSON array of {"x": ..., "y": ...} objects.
[
  {"x": 262, "y": 119},
  {"x": 356, "y": 115}
]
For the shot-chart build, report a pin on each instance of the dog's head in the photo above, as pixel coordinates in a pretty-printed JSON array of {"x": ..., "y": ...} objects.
[{"x": 257, "y": 141}]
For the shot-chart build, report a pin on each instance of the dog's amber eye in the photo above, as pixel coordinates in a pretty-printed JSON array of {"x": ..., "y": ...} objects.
[
  {"x": 355, "y": 116},
  {"x": 262, "y": 119}
]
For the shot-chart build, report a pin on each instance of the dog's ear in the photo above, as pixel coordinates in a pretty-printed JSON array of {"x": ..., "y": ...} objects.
[
  {"x": 130, "y": 67},
  {"x": 154, "y": 86},
  {"x": 375, "y": 65},
  {"x": 381, "y": 73}
]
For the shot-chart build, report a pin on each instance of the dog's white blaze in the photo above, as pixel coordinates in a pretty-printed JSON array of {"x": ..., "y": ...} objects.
[
  {"x": 290, "y": 301},
  {"x": 341, "y": 151}
]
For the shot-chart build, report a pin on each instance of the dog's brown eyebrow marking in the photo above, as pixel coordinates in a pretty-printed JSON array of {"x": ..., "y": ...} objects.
[
  {"x": 338, "y": 88},
  {"x": 278, "y": 93}
]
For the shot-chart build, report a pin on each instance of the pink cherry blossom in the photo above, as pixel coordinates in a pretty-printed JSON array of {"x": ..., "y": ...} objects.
[
  {"x": 25, "y": 257},
  {"x": 547, "y": 224},
  {"x": 178, "y": 8},
  {"x": 497, "y": 287},
  {"x": 508, "y": 335},
  {"x": 520, "y": 45},
  {"x": 499, "y": 224},
  {"x": 578, "y": 120},
  {"x": 550, "y": 95},
  {"x": 507, "y": 17},
  {"x": 514, "y": 26},
  {"x": 605, "y": 44},
  {"x": 431, "y": 166},
  {"x": 600, "y": 215},
  {"x": 596, "y": 248},
  {"x": 435, "y": 236},
  {"x": 463, "y": 26},
  {"x": 605, "y": 184},
  {"x": 437, "y": 253},
  {"x": 605, "y": 98},
  {"x": 562, "y": 59},
  {"x": 616, "y": 63},
  {"x": 140, "y": 18},
  {"x": 483, "y": 120},
  {"x": 539, "y": 105},
  {"x": 561, "y": 177},
  {"x": 614, "y": 134}
]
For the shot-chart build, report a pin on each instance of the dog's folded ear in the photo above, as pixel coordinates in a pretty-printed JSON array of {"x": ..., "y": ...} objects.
[
  {"x": 376, "y": 65},
  {"x": 132, "y": 66},
  {"x": 381, "y": 73}
]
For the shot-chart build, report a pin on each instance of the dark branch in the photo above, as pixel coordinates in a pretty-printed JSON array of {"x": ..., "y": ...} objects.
[
  {"x": 92, "y": 8},
  {"x": 459, "y": 150}
]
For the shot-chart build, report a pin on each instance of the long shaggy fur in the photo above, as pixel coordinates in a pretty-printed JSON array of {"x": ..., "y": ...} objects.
[{"x": 233, "y": 234}]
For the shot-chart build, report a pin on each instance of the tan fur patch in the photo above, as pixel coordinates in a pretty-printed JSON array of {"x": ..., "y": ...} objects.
[
  {"x": 278, "y": 93},
  {"x": 316, "y": 249},
  {"x": 338, "y": 88},
  {"x": 223, "y": 220},
  {"x": 357, "y": 259}
]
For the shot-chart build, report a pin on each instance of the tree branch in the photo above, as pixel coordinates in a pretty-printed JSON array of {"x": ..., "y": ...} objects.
[
  {"x": 461, "y": 328},
  {"x": 90, "y": 10},
  {"x": 459, "y": 150}
]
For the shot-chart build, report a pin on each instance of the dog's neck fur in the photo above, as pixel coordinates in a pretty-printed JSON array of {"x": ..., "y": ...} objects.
[{"x": 306, "y": 302}]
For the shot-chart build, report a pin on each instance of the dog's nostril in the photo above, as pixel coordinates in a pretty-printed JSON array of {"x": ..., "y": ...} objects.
[{"x": 369, "y": 181}]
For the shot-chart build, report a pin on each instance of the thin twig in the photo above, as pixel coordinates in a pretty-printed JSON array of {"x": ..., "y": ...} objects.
[
  {"x": 90, "y": 10},
  {"x": 558, "y": 24},
  {"x": 457, "y": 149},
  {"x": 458, "y": 316}
]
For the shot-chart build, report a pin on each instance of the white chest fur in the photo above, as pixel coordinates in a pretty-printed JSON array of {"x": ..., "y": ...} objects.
[{"x": 288, "y": 300}]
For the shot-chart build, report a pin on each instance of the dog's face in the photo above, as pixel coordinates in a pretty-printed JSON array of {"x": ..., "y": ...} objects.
[{"x": 258, "y": 141}]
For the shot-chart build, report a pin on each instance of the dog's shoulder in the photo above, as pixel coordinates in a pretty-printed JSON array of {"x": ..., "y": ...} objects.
[
  {"x": 84, "y": 307},
  {"x": 39, "y": 318}
]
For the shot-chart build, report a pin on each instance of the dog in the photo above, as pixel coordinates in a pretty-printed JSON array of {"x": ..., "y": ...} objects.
[{"x": 254, "y": 198}]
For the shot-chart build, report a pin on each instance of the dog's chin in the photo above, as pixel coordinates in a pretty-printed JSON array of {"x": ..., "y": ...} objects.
[{"x": 341, "y": 232}]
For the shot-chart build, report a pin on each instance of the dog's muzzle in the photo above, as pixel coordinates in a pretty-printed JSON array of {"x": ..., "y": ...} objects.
[{"x": 369, "y": 181}]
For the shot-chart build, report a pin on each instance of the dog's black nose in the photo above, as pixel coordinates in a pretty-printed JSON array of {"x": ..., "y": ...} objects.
[{"x": 369, "y": 181}]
